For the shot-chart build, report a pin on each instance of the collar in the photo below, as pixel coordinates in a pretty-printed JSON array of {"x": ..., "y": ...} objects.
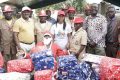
[
  {"x": 25, "y": 20},
  {"x": 98, "y": 15},
  {"x": 111, "y": 19},
  {"x": 80, "y": 29}
]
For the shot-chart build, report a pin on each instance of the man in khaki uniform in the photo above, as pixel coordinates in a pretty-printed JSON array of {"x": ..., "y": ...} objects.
[
  {"x": 78, "y": 39},
  {"x": 42, "y": 25},
  {"x": 8, "y": 47}
]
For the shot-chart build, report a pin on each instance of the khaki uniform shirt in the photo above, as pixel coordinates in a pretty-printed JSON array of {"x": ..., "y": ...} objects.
[
  {"x": 41, "y": 29},
  {"x": 77, "y": 39},
  {"x": 7, "y": 42}
]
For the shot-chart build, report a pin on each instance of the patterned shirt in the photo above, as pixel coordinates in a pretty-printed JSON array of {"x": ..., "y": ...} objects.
[{"x": 96, "y": 28}]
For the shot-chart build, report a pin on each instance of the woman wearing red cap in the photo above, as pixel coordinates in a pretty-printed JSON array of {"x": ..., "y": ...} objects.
[{"x": 61, "y": 31}]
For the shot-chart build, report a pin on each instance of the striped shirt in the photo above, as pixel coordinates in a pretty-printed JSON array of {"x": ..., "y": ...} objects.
[{"x": 96, "y": 28}]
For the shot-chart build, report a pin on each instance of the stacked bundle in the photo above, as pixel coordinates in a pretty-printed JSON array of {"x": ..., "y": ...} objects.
[
  {"x": 110, "y": 69},
  {"x": 2, "y": 70},
  {"x": 43, "y": 75},
  {"x": 14, "y": 76},
  {"x": 86, "y": 72},
  {"x": 20, "y": 65},
  {"x": 42, "y": 61},
  {"x": 66, "y": 65},
  {"x": 1, "y": 61}
]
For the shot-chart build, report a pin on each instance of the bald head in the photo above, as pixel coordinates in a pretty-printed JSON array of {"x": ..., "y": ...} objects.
[{"x": 94, "y": 9}]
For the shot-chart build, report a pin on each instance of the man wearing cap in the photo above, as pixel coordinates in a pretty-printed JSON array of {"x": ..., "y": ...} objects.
[
  {"x": 42, "y": 25},
  {"x": 24, "y": 31},
  {"x": 71, "y": 16},
  {"x": 78, "y": 39},
  {"x": 6, "y": 34},
  {"x": 47, "y": 44},
  {"x": 96, "y": 28},
  {"x": 49, "y": 18}
]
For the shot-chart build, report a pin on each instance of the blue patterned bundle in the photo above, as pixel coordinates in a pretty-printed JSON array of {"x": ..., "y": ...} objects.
[
  {"x": 42, "y": 61},
  {"x": 87, "y": 72},
  {"x": 69, "y": 69},
  {"x": 2, "y": 70},
  {"x": 65, "y": 66}
]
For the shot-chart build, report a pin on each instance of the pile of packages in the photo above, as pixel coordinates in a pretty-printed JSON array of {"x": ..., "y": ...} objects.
[
  {"x": 1, "y": 64},
  {"x": 42, "y": 64}
]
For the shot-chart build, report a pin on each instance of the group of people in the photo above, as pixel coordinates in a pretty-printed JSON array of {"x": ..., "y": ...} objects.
[{"x": 93, "y": 33}]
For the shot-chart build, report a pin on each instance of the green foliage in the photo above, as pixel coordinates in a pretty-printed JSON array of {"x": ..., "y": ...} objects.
[{"x": 78, "y": 4}]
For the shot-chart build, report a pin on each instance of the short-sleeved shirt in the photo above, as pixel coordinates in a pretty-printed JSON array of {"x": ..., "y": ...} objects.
[
  {"x": 25, "y": 30},
  {"x": 61, "y": 38},
  {"x": 41, "y": 28},
  {"x": 96, "y": 28},
  {"x": 77, "y": 39}
]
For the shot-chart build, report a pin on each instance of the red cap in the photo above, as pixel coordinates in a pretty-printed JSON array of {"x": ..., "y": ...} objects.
[
  {"x": 7, "y": 8},
  {"x": 71, "y": 9},
  {"x": 48, "y": 33},
  {"x": 42, "y": 13},
  {"x": 78, "y": 20},
  {"x": 61, "y": 13}
]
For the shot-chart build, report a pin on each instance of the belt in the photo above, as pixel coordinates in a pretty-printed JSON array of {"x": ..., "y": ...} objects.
[
  {"x": 27, "y": 43},
  {"x": 111, "y": 43}
]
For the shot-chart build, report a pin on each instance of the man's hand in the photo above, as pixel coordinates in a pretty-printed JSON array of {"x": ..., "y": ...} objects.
[
  {"x": 92, "y": 44},
  {"x": 77, "y": 55}
]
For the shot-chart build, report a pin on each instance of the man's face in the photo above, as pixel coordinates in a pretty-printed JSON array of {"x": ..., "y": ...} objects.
[
  {"x": 26, "y": 14},
  {"x": 71, "y": 14},
  {"x": 87, "y": 12},
  {"x": 94, "y": 10},
  {"x": 8, "y": 15},
  {"x": 111, "y": 12},
  {"x": 77, "y": 26},
  {"x": 42, "y": 18}
]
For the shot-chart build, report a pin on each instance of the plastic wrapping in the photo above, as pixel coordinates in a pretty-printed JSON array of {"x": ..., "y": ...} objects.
[
  {"x": 20, "y": 65},
  {"x": 43, "y": 75},
  {"x": 42, "y": 61},
  {"x": 2, "y": 70},
  {"x": 110, "y": 69},
  {"x": 1, "y": 61},
  {"x": 15, "y": 76},
  {"x": 65, "y": 66}
]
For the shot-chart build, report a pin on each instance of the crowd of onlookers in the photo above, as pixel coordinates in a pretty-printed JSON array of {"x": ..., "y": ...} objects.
[{"x": 69, "y": 34}]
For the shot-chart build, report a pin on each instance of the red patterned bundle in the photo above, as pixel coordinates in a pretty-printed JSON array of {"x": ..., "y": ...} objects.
[
  {"x": 110, "y": 69},
  {"x": 1, "y": 61},
  {"x": 43, "y": 75},
  {"x": 20, "y": 65}
]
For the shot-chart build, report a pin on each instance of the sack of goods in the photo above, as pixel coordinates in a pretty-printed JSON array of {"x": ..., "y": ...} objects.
[
  {"x": 110, "y": 69},
  {"x": 42, "y": 61},
  {"x": 1, "y": 61},
  {"x": 15, "y": 76},
  {"x": 2, "y": 70},
  {"x": 87, "y": 72},
  {"x": 43, "y": 75},
  {"x": 20, "y": 65},
  {"x": 65, "y": 65}
]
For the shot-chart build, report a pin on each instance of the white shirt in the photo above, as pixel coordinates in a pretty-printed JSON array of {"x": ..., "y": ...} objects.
[{"x": 61, "y": 38}]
